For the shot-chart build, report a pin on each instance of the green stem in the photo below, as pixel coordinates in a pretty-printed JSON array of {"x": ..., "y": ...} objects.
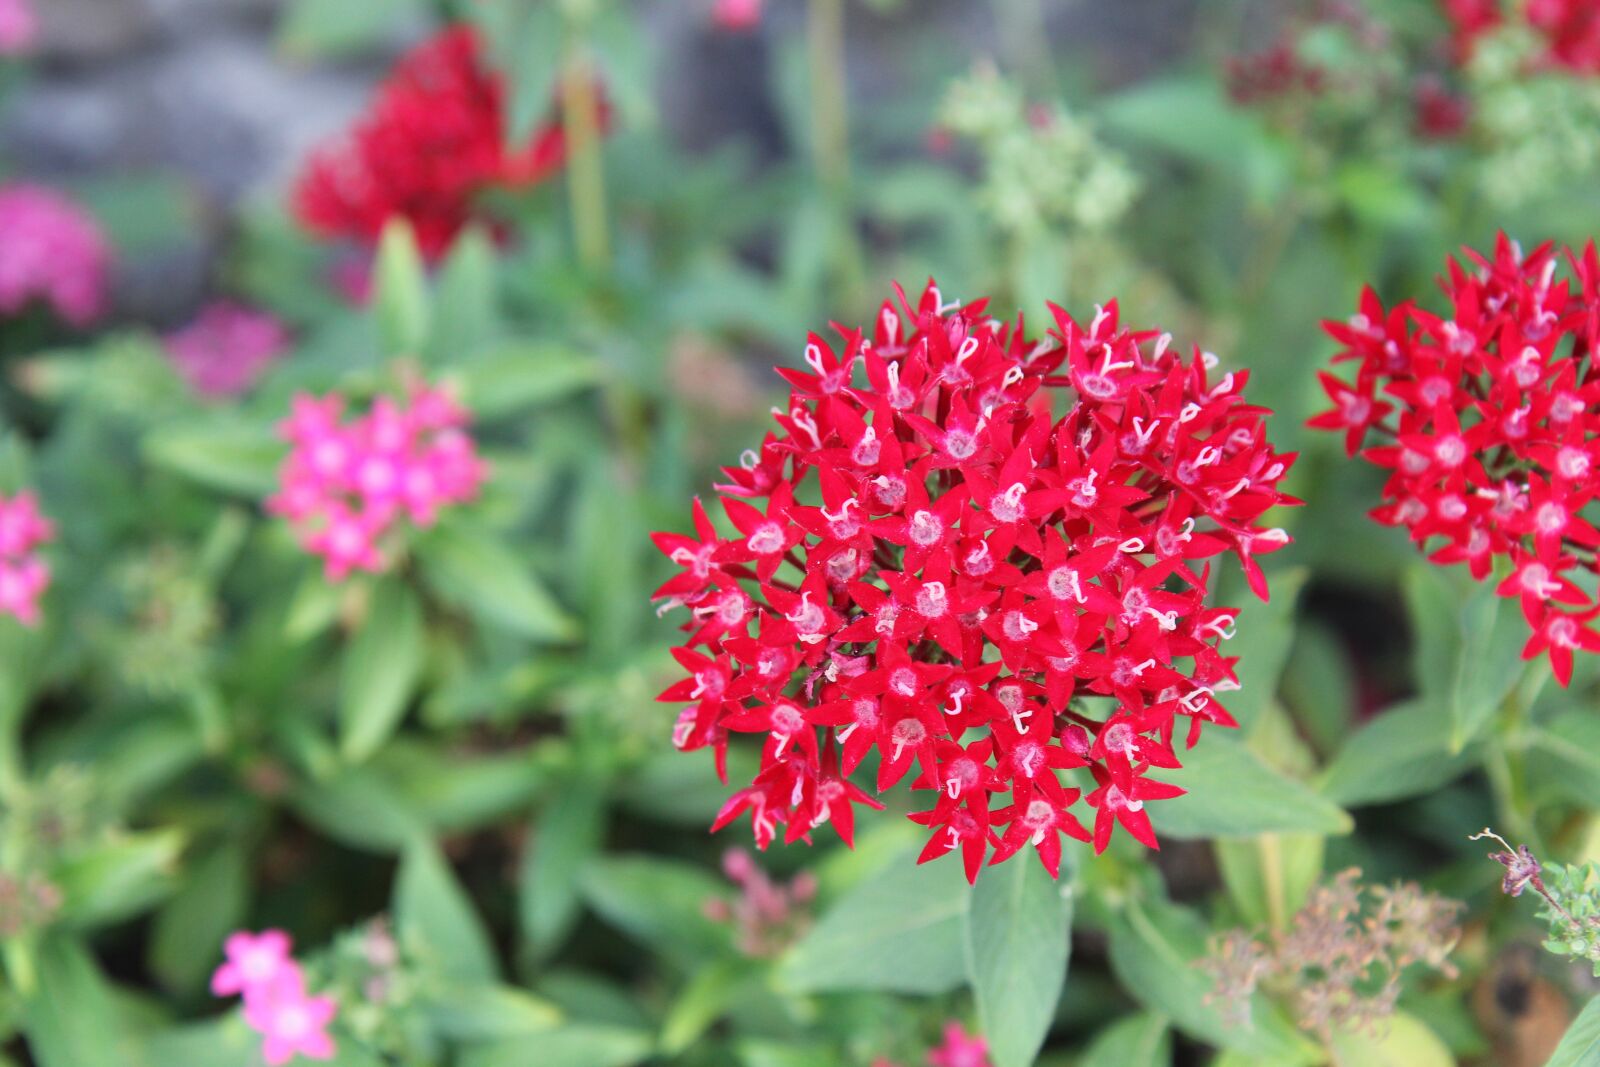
[
  {"x": 830, "y": 134},
  {"x": 1505, "y": 762},
  {"x": 586, "y": 179}
]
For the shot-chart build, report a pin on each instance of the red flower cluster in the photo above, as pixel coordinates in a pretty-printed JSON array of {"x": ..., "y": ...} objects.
[
  {"x": 1570, "y": 28},
  {"x": 433, "y": 138},
  {"x": 983, "y": 590},
  {"x": 1492, "y": 434},
  {"x": 1277, "y": 72}
]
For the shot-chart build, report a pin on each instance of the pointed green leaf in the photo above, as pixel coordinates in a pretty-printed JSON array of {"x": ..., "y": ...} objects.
[
  {"x": 230, "y": 456},
  {"x": 1580, "y": 1046},
  {"x": 380, "y": 670},
  {"x": 1401, "y": 752},
  {"x": 474, "y": 570},
  {"x": 1401, "y": 1040},
  {"x": 401, "y": 298},
  {"x": 118, "y": 878},
  {"x": 1233, "y": 793},
  {"x": 566, "y": 836},
  {"x": 190, "y": 928},
  {"x": 1018, "y": 934},
  {"x": 435, "y": 918},
  {"x": 901, "y": 930},
  {"x": 1142, "y": 1040},
  {"x": 1469, "y": 648},
  {"x": 1155, "y": 947}
]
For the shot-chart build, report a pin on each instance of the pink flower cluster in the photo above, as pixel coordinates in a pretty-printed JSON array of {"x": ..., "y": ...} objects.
[
  {"x": 767, "y": 916},
  {"x": 53, "y": 252},
  {"x": 23, "y": 575},
  {"x": 291, "y": 1023},
  {"x": 348, "y": 483},
  {"x": 18, "y": 27},
  {"x": 226, "y": 348},
  {"x": 736, "y": 16},
  {"x": 959, "y": 1049}
]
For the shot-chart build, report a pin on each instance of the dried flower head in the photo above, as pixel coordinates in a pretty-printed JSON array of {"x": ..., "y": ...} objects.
[
  {"x": 1491, "y": 436},
  {"x": 346, "y": 484},
  {"x": 997, "y": 578},
  {"x": 1340, "y": 963},
  {"x": 1570, "y": 896},
  {"x": 433, "y": 139}
]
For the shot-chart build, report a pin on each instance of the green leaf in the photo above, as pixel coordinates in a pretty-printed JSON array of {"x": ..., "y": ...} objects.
[
  {"x": 401, "y": 299},
  {"x": 1469, "y": 648},
  {"x": 1190, "y": 118},
  {"x": 70, "y": 1019},
  {"x": 1018, "y": 931},
  {"x": 190, "y": 927},
  {"x": 435, "y": 918},
  {"x": 316, "y": 28},
  {"x": 566, "y": 837},
  {"x": 1233, "y": 793},
  {"x": 380, "y": 669},
  {"x": 118, "y": 878},
  {"x": 567, "y": 1046},
  {"x": 232, "y": 456},
  {"x": 1564, "y": 757},
  {"x": 1402, "y": 752},
  {"x": 902, "y": 930},
  {"x": 487, "y": 1013},
  {"x": 1154, "y": 950},
  {"x": 1269, "y": 877},
  {"x": 1399, "y": 1041},
  {"x": 516, "y": 376},
  {"x": 471, "y": 568},
  {"x": 1143, "y": 1040},
  {"x": 361, "y": 809},
  {"x": 659, "y": 902},
  {"x": 1580, "y": 1046},
  {"x": 703, "y": 1001},
  {"x": 465, "y": 300}
]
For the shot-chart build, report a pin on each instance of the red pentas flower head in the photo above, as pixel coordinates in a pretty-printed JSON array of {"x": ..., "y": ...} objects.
[
  {"x": 432, "y": 140},
  {"x": 1488, "y": 429},
  {"x": 1569, "y": 29},
  {"x": 982, "y": 558}
]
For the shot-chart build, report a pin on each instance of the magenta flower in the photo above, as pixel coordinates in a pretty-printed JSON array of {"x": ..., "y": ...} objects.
[
  {"x": 736, "y": 16},
  {"x": 290, "y": 1022},
  {"x": 959, "y": 1049},
  {"x": 54, "y": 252},
  {"x": 253, "y": 960},
  {"x": 348, "y": 484},
  {"x": 227, "y": 347},
  {"x": 18, "y": 27},
  {"x": 23, "y": 575}
]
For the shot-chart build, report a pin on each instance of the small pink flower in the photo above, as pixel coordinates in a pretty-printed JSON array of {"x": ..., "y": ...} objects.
[
  {"x": 253, "y": 960},
  {"x": 226, "y": 348},
  {"x": 18, "y": 27},
  {"x": 290, "y": 1022},
  {"x": 54, "y": 252},
  {"x": 347, "y": 483},
  {"x": 23, "y": 575},
  {"x": 736, "y": 16},
  {"x": 960, "y": 1049}
]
